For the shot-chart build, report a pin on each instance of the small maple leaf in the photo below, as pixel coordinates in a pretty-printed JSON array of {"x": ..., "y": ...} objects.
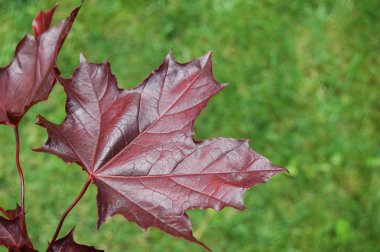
[
  {"x": 67, "y": 244},
  {"x": 138, "y": 148},
  {"x": 29, "y": 77},
  {"x": 12, "y": 234}
]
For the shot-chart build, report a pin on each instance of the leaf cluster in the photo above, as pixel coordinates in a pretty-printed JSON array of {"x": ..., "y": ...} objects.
[{"x": 137, "y": 146}]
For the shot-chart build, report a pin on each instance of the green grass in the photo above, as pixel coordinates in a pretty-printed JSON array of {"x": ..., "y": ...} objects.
[{"x": 304, "y": 87}]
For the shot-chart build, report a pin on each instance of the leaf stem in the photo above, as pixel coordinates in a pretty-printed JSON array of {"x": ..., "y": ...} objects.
[
  {"x": 64, "y": 215},
  {"x": 21, "y": 175}
]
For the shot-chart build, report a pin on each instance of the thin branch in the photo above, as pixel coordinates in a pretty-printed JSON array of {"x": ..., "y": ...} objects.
[
  {"x": 22, "y": 180},
  {"x": 64, "y": 215}
]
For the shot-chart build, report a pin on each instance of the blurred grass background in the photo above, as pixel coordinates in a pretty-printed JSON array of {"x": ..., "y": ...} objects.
[{"x": 304, "y": 87}]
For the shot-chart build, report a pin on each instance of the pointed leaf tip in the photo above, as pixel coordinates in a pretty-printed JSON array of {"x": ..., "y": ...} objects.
[
  {"x": 82, "y": 59},
  {"x": 41, "y": 23},
  {"x": 169, "y": 56}
]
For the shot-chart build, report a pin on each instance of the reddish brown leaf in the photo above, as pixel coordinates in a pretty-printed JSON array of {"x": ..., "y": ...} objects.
[
  {"x": 12, "y": 234},
  {"x": 137, "y": 145},
  {"x": 29, "y": 77},
  {"x": 67, "y": 244}
]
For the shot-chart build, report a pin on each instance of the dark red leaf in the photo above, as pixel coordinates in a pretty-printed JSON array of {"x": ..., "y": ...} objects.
[
  {"x": 29, "y": 78},
  {"x": 12, "y": 234},
  {"x": 67, "y": 244},
  {"x": 138, "y": 146}
]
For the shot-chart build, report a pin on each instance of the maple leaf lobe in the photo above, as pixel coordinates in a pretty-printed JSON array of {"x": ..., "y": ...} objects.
[{"x": 138, "y": 145}]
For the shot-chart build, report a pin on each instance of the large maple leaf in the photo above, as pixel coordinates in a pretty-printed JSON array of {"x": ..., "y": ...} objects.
[
  {"x": 138, "y": 148},
  {"x": 12, "y": 234},
  {"x": 29, "y": 77}
]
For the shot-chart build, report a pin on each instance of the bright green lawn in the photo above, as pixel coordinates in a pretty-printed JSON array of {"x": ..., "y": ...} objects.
[{"x": 304, "y": 87}]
